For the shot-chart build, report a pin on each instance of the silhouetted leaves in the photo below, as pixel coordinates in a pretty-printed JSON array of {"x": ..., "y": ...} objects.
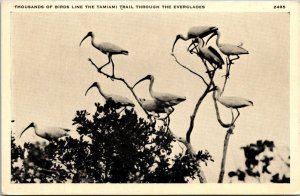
[
  {"x": 114, "y": 146},
  {"x": 257, "y": 163}
]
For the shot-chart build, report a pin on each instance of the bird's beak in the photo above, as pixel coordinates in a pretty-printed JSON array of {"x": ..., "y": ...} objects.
[
  {"x": 215, "y": 33},
  {"x": 177, "y": 38},
  {"x": 84, "y": 38},
  {"x": 93, "y": 85},
  {"x": 145, "y": 78},
  {"x": 25, "y": 130}
]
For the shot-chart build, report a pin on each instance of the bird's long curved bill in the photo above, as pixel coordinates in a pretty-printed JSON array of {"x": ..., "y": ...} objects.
[
  {"x": 25, "y": 130},
  {"x": 177, "y": 38},
  {"x": 84, "y": 39},
  {"x": 145, "y": 78},
  {"x": 89, "y": 89},
  {"x": 211, "y": 37}
]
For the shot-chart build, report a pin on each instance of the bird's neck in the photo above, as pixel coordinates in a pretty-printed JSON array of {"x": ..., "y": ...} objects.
[
  {"x": 151, "y": 87},
  {"x": 35, "y": 129},
  {"x": 93, "y": 42},
  {"x": 218, "y": 39},
  {"x": 101, "y": 92}
]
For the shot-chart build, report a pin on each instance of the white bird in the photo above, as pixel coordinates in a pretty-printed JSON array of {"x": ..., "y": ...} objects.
[
  {"x": 123, "y": 101},
  {"x": 196, "y": 32},
  {"x": 154, "y": 106},
  {"x": 49, "y": 133},
  {"x": 106, "y": 48},
  {"x": 229, "y": 50},
  {"x": 232, "y": 102},
  {"x": 209, "y": 53},
  {"x": 164, "y": 99}
]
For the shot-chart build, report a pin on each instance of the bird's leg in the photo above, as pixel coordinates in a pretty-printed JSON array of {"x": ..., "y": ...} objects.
[
  {"x": 237, "y": 57},
  {"x": 232, "y": 119},
  {"x": 228, "y": 63},
  {"x": 236, "y": 116},
  {"x": 113, "y": 70},
  {"x": 193, "y": 43},
  {"x": 109, "y": 60}
]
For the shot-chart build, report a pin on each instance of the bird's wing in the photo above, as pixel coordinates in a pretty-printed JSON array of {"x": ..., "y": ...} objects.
[
  {"x": 230, "y": 49},
  {"x": 67, "y": 130},
  {"x": 200, "y": 30},
  {"x": 121, "y": 100},
  {"x": 235, "y": 102},
  {"x": 169, "y": 99},
  {"x": 215, "y": 52},
  {"x": 109, "y": 47}
]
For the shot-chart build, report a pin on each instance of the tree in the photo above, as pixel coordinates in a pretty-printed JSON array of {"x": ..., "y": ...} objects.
[
  {"x": 259, "y": 157},
  {"x": 122, "y": 148}
]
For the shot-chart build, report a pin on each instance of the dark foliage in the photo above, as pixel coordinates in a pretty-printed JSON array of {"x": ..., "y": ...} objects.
[
  {"x": 123, "y": 148},
  {"x": 252, "y": 161}
]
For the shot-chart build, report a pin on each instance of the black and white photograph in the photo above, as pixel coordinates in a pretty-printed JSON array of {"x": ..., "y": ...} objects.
[{"x": 151, "y": 94}]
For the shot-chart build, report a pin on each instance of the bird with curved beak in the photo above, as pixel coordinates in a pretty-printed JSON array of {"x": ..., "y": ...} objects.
[
  {"x": 50, "y": 133},
  {"x": 232, "y": 102},
  {"x": 154, "y": 106},
  {"x": 196, "y": 32},
  {"x": 106, "y": 48},
  {"x": 164, "y": 99},
  {"x": 230, "y": 50},
  {"x": 123, "y": 101}
]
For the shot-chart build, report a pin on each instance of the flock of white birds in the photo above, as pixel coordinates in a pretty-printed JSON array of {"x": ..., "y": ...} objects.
[{"x": 162, "y": 102}]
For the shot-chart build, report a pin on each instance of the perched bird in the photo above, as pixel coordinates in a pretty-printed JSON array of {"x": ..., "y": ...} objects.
[
  {"x": 209, "y": 53},
  {"x": 196, "y": 32},
  {"x": 232, "y": 102},
  {"x": 154, "y": 106},
  {"x": 123, "y": 101},
  {"x": 106, "y": 48},
  {"x": 163, "y": 99},
  {"x": 50, "y": 133},
  {"x": 229, "y": 50}
]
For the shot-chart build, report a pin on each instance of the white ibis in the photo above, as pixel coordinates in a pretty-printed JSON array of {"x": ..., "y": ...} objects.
[
  {"x": 106, "y": 48},
  {"x": 196, "y": 32},
  {"x": 123, "y": 101},
  {"x": 154, "y": 106},
  {"x": 232, "y": 102},
  {"x": 209, "y": 53},
  {"x": 49, "y": 133},
  {"x": 164, "y": 99},
  {"x": 230, "y": 49}
]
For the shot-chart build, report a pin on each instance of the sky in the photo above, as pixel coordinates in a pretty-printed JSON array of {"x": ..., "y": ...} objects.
[{"x": 50, "y": 72}]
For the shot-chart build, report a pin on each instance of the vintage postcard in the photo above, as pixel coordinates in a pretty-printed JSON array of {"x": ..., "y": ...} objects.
[{"x": 149, "y": 97}]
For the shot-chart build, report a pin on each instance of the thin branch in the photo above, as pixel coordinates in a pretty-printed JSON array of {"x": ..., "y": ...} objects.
[
  {"x": 192, "y": 152},
  {"x": 124, "y": 81},
  {"x": 191, "y": 127},
  {"x": 189, "y": 69},
  {"x": 226, "y": 141},
  {"x": 225, "y": 125},
  {"x": 228, "y": 64}
]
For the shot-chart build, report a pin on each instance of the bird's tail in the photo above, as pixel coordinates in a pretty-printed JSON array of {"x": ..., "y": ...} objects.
[{"x": 125, "y": 52}]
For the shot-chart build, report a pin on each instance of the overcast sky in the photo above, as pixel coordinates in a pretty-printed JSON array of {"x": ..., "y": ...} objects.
[{"x": 50, "y": 72}]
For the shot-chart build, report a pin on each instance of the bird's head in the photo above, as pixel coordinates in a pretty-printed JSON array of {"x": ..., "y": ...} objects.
[
  {"x": 95, "y": 84},
  {"x": 29, "y": 126},
  {"x": 148, "y": 77},
  {"x": 87, "y": 35},
  {"x": 179, "y": 36}
]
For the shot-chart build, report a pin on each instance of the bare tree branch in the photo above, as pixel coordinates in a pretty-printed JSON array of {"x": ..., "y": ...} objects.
[
  {"x": 226, "y": 141},
  {"x": 189, "y": 69},
  {"x": 124, "y": 81}
]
